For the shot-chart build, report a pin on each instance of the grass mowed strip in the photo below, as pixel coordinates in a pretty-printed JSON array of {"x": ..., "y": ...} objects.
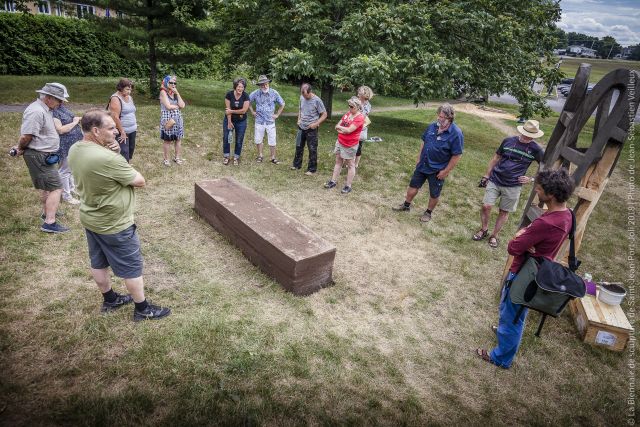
[
  {"x": 390, "y": 343},
  {"x": 599, "y": 67}
]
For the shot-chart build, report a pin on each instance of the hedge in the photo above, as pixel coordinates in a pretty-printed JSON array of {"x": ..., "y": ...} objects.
[{"x": 42, "y": 44}]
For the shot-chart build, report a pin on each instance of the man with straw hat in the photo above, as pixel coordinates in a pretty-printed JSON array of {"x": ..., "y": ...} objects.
[
  {"x": 505, "y": 175},
  {"x": 39, "y": 143}
]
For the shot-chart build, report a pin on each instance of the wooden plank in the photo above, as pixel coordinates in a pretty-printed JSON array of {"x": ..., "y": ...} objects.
[
  {"x": 285, "y": 249},
  {"x": 572, "y": 155},
  {"x": 586, "y": 193},
  {"x": 534, "y": 212},
  {"x": 566, "y": 117}
]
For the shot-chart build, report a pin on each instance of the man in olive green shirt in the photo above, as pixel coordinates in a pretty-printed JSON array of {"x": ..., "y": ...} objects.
[{"x": 105, "y": 183}]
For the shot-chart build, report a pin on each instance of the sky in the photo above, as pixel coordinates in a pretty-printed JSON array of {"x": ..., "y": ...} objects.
[{"x": 599, "y": 18}]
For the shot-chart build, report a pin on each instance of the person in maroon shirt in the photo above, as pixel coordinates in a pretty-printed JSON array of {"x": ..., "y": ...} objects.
[{"x": 542, "y": 238}]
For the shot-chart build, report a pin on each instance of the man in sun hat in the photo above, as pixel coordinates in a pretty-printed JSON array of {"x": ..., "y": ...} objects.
[
  {"x": 505, "y": 175},
  {"x": 39, "y": 141},
  {"x": 265, "y": 99}
]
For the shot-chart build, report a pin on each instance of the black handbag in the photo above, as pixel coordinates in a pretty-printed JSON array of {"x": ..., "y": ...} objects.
[{"x": 547, "y": 286}]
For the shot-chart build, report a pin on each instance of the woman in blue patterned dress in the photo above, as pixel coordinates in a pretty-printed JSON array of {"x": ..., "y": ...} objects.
[
  {"x": 171, "y": 126},
  {"x": 69, "y": 130}
]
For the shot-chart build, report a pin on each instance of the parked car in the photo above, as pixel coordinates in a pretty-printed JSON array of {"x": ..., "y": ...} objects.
[{"x": 565, "y": 90}]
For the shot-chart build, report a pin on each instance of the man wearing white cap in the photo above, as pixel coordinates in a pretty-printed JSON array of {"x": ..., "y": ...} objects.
[
  {"x": 505, "y": 175},
  {"x": 39, "y": 142}
]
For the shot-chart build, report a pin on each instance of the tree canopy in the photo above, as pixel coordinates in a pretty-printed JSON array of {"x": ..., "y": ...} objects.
[
  {"x": 161, "y": 31},
  {"x": 424, "y": 49}
]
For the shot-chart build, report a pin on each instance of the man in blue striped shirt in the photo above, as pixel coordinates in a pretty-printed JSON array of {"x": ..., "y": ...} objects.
[{"x": 265, "y": 99}]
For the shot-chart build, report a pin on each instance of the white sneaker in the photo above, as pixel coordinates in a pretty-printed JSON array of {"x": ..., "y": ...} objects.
[{"x": 72, "y": 200}]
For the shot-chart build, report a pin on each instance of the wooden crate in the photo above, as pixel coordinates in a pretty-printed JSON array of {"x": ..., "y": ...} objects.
[{"x": 600, "y": 324}]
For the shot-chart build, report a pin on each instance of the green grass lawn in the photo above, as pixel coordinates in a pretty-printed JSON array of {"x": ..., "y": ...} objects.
[
  {"x": 599, "y": 67},
  {"x": 391, "y": 343}
]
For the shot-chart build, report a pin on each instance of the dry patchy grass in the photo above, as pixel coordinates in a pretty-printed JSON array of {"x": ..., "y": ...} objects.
[{"x": 390, "y": 343}]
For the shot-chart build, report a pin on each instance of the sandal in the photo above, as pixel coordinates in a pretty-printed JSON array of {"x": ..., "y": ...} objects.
[
  {"x": 480, "y": 234},
  {"x": 259, "y": 159},
  {"x": 275, "y": 161},
  {"x": 225, "y": 161},
  {"x": 493, "y": 242},
  {"x": 482, "y": 354},
  {"x": 236, "y": 161}
]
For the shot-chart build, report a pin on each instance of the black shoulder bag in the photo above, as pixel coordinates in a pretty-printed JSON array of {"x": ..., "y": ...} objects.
[{"x": 547, "y": 286}]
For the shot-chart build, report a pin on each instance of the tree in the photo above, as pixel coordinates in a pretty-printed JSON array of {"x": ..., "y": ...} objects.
[
  {"x": 608, "y": 47},
  {"x": 562, "y": 41},
  {"x": 635, "y": 52},
  {"x": 162, "y": 31},
  {"x": 579, "y": 39},
  {"x": 421, "y": 48}
]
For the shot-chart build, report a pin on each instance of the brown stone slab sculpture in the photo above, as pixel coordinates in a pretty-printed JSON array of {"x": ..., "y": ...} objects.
[{"x": 290, "y": 252}]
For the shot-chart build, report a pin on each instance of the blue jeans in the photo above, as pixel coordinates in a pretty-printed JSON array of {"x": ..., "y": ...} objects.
[
  {"x": 509, "y": 334},
  {"x": 239, "y": 128}
]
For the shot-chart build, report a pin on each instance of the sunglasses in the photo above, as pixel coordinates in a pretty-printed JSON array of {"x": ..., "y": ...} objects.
[
  {"x": 351, "y": 106},
  {"x": 173, "y": 83}
]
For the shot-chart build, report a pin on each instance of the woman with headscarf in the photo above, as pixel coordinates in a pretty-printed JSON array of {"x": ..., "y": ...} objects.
[
  {"x": 348, "y": 128},
  {"x": 171, "y": 126}
]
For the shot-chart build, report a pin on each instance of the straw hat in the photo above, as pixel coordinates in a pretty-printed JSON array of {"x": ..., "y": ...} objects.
[
  {"x": 263, "y": 79},
  {"x": 57, "y": 90},
  {"x": 531, "y": 128}
]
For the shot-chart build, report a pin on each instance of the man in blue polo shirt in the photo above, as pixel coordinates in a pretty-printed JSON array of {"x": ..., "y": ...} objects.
[
  {"x": 440, "y": 151},
  {"x": 505, "y": 175}
]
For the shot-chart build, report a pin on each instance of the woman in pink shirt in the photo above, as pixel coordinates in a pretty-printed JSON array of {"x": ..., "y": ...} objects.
[{"x": 348, "y": 128}]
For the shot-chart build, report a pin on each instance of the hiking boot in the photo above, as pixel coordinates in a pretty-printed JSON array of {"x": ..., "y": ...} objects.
[
  {"x": 53, "y": 228},
  {"x": 346, "y": 190},
  {"x": 120, "y": 301},
  {"x": 401, "y": 208},
  {"x": 152, "y": 312},
  {"x": 426, "y": 217},
  {"x": 330, "y": 184}
]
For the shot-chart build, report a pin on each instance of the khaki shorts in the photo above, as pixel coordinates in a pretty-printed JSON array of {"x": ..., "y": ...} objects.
[
  {"x": 346, "y": 153},
  {"x": 509, "y": 196},
  {"x": 43, "y": 176}
]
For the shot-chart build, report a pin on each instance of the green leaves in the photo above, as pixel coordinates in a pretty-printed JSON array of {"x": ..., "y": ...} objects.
[{"x": 419, "y": 48}]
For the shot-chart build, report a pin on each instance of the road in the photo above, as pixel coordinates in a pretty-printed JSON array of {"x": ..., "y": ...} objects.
[{"x": 556, "y": 104}]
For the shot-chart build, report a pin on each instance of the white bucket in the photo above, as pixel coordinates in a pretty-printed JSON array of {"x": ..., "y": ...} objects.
[{"x": 611, "y": 293}]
